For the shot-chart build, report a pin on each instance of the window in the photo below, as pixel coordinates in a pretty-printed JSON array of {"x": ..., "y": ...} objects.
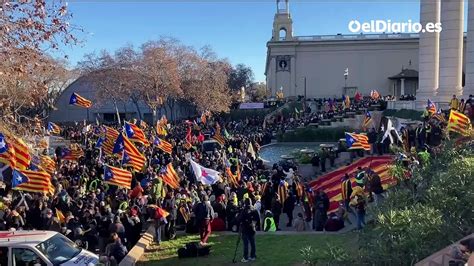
[
  {"x": 58, "y": 249},
  {"x": 26, "y": 257},
  {"x": 282, "y": 34},
  {"x": 3, "y": 256}
]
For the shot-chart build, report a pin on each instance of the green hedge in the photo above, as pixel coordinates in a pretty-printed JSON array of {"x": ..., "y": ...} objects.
[
  {"x": 404, "y": 113},
  {"x": 314, "y": 135}
]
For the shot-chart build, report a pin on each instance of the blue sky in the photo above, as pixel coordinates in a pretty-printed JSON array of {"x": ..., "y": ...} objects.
[{"x": 237, "y": 30}]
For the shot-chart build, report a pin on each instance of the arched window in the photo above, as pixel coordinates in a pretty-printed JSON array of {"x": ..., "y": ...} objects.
[{"x": 282, "y": 34}]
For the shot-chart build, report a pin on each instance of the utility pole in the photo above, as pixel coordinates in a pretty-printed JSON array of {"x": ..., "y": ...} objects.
[{"x": 304, "y": 105}]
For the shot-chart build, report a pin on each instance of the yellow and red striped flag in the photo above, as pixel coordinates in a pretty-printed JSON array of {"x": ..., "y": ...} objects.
[
  {"x": 163, "y": 145},
  {"x": 60, "y": 216},
  {"x": 130, "y": 154},
  {"x": 78, "y": 100},
  {"x": 143, "y": 124},
  {"x": 111, "y": 136},
  {"x": 53, "y": 128},
  {"x": 374, "y": 94},
  {"x": 32, "y": 181},
  {"x": 48, "y": 164},
  {"x": 73, "y": 153},
  {"x": 117, "y": 176},
  {"x": 14, "y": 152},
  {"x": 134, "y": 133},
  {"x": 460, "y": 123},
  {"x": 357, "y": 141},
  {"x": 170, "y": 177}
]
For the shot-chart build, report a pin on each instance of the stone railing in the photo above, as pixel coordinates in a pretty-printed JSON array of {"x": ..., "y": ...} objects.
[
  {"x": 139, "y": 249},
  {"x": 440, "y": 258}
]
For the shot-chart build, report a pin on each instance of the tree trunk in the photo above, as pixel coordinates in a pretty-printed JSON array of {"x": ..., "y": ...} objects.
[{"x": 135, "y": 102}]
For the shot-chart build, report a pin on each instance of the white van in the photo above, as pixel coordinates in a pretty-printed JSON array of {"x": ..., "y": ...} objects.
[{"x": 41, "y": 248}]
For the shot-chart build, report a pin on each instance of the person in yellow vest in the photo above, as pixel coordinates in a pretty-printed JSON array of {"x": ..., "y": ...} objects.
[
  {"x": 269, "y": 222},
  {"x": 454, "y": 103}
]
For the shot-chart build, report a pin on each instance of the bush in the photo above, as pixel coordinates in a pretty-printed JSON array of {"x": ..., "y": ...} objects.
[
  {"x": 404, "y": 113},
  {"x": 314, "y": 135},
  {"x": 425, "y": 213}
]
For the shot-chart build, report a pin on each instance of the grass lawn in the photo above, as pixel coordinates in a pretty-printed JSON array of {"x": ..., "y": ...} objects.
[{"x": 271, "y": 249}]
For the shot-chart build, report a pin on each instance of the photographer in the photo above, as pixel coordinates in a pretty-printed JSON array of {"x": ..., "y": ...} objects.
[{"x": 248, "y": 219}]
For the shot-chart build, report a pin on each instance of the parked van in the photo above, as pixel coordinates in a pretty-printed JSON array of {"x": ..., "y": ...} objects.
[
  {"x": 208, "y": 146},
  {"x": 42, "y": 248}
]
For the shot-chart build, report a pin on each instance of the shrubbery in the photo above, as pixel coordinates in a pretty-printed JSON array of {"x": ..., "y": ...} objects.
[{"x": 424, "y": 214}]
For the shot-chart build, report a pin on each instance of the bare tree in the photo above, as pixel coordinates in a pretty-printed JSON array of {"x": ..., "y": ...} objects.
[{"x": 28, "y": 31}]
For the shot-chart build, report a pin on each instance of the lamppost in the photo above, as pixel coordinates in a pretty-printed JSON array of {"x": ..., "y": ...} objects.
[{"x": 346, "y": 74}]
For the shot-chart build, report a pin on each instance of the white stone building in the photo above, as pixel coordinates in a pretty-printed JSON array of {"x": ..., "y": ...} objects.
[{"x": 314, "y": 65}]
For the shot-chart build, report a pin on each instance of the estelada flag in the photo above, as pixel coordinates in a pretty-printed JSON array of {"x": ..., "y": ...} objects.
[
  {"x": 163, "y": 145},
  {"x": 431, "y": 107},
  {"x": 32, "y": 181},
  {"x": 78, "y": 100},
  {"x": 367, "y": 120},
  {"x": 108, "y": 143},
  {"x": 134, "y": 133},
  {"x": 169, "y": 176},
  {"x": 53, "y": 128},
  {"x": 117, "y": 176},
  {"x": 357, "y": 141},
  {"x": 460, "y": 123},
  {"x": 14, "y": 151}
]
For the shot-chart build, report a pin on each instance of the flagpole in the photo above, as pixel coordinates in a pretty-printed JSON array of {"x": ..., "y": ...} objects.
[{"x": 87, "y": 114}]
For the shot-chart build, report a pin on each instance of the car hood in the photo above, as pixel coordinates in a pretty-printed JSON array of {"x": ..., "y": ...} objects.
[{"x": 85, "y": 258}]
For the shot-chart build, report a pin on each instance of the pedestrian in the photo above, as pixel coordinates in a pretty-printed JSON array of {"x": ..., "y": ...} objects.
[
  {"x": 269, "y": 222},
  {"x": 288, "y": 208},
  {"x": 359, "y": 203},
  {"x": 299, "y": 223},
  {"x": 204, "y": 215},
  {"x": 248, "y": 219}
]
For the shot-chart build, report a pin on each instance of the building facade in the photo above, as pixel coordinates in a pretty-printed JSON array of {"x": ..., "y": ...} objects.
[
  {"x": 315, "y": 66},
  {"x": 103, "y": 110}
]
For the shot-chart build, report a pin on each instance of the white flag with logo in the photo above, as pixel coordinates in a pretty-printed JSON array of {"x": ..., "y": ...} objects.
[{"x": 205, "y": 175}]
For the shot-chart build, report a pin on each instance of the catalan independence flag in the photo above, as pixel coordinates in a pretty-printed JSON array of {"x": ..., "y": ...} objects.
[
  {"x": 163, "y": 145},
  {"x": 460, "y": 123},
  {"x": 169, "y": 176},
  {"x": 78, "y": 100},
  {"x": 219, "y": 138},
  {"x": 374, "y": 94},
  {"x": 69, "y": 154},
  {"x": 14, "y": 152},
  {"x": 117, "y": 176},
  {"x": 48, "y": 164},
  {"x": 53, "y": 128},
  {"x": 135, "y": 134},
  {"x": 32, "y": 181},
  {"x": 130, "y": 154},
  {"x": 357, "y": 141},
  {"x": 431, "y": 107},
  {"x": 347, "y": 102},
  {"x": 108, "y": 143},
  {"x": 367, "y": 120}
]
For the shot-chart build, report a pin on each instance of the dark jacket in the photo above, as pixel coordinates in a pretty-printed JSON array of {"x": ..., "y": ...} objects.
[
  {"x": 248, "y": 219},
  {"x": 204, "y": 211}
]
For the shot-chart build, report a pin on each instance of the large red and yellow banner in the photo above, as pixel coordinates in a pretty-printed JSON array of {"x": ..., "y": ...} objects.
[{"x": 331, "y": 182}]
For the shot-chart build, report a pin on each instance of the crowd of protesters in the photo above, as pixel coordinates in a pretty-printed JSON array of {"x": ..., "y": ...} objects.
[{"x": 109, "y": 219}]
